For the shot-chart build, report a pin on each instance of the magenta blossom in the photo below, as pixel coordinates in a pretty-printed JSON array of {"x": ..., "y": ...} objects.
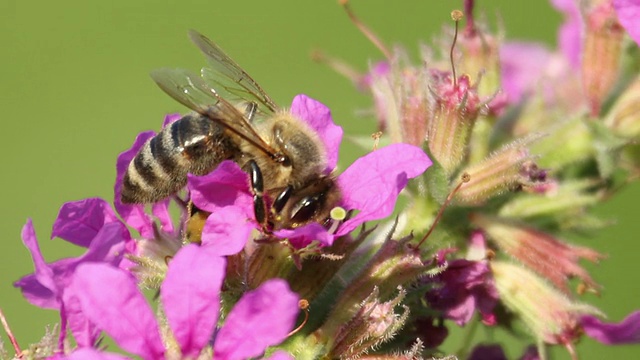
[
  {"x": 625, "y": 332},
  {"x": 190, "y": 296},
  {"x": 462, "y": 288},
  {"x": 466, "y": 285},
  {"x": 370, "y": 186},
  {"x": 89, "y": 223},
  {"x": 628, "y": 13}
]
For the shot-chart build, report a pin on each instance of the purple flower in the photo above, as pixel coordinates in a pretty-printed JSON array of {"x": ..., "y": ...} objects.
[
  {"x": 625, "y": 332},
  {"x": 628, "y": 14},
  {"x": 495, "y": 352},
  {"x": 522, "y": 65},
  {"x": 464, "y": 287},
  {"x": 487, "y": 352},
  {"x": 369, "y": 186},
  {"x": 570, "y": 33},
  {"x": 88, "y": 223},
  {"x": 190, "y": 297}
]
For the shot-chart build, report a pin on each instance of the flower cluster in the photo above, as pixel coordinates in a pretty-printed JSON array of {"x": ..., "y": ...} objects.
[{"x": 496, "y": 165}]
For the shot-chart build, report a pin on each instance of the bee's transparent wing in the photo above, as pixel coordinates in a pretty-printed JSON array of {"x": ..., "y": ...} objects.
[
  {"x": 229, "y": 76},
  {"x": 193, "y": 92}
]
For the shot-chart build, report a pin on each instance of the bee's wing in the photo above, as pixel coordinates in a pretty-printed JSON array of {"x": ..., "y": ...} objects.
[
  {"x": 191, "y": 91},
  {"x": 229, "y": 76}
]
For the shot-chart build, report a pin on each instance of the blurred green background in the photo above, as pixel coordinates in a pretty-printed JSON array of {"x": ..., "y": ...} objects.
[{"x": 75, "y": 91}]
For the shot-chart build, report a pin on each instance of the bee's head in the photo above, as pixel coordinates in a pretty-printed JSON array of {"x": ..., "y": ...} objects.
[
  {"x": 301, "y": 152},
  {"x": 313, "y": 202}
]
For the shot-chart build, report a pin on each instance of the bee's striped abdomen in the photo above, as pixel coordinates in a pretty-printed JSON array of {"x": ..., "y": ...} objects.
[{"x": 193, "y": 144}]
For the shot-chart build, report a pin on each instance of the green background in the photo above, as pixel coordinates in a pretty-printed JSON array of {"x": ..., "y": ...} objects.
[{"x": 75, "y": 92}]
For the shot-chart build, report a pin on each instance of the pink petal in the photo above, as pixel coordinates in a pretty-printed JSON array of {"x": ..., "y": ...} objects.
[
  {"x": 303, "y": 236},
  {"x": 227, "y": 230},
  {"x": 43, "y": 272},
  {"x": 84, "y": 331},
  {"x": 190, "y": 294},
  {"x": 227, "y": 185},
  {"x": 161, "y": 211},
  {"x": 110, "y": 298},
  {"x": 133, "y": 215},
  {"x": 318, "y": 116},
  {"x": 170, "y": 118},
  {"x": 372, "y": 183},
  {"x": 625, "y": 332},
  {"x": 628, "y": 14},
  {"x": 44, "y": 287},
  {"x": 260, "y": 319},
  {"x": 570, "y": 33},
  {"x": 522, "y": 65},
  {"x": 78, "y": 222}
]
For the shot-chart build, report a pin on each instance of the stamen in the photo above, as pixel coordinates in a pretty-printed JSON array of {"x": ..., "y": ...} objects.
[
  {"x": 12, "y": 338},
  {"x": 365, "y": 30},
  {"x": 465, "y": 179},
  {"x": 456, "y": 15},
  {"x": 337, "y": 215},
  {"x": 303, "y": 304}
]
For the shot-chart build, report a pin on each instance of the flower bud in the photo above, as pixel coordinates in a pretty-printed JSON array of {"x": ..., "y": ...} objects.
[
  {"x": 624, "y": 118},
  {"x": 374, "y": 323},
  {"x": 549, "y": 257},
  {"x": 567, "y": 142},
  {"x": 550, "y": 315},
  {"x": 560, "y": 199},
  {"x": 480, "y": 59},
  {"x": 455, "y": 109},
  {"x": 396, "y": 263},
  {"x": 500, "y": 172},
  {"x": 601, "y": 54}
]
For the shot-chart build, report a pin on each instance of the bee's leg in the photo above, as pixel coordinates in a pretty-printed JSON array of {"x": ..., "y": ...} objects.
[
  {"x": 257, "y": 188},
  {"x": 281, "y": 200},
  {"x": 196, "y": 218}
]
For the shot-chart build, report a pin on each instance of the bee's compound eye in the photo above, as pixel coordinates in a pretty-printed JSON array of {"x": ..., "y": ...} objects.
[{"x": 305, "y": 209}]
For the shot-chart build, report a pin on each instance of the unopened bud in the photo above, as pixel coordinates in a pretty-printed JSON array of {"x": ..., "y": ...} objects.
[
  {"x": 601, "y": 55},
  {"x": 551, "y": 258},
  {"x": 495, "y": 175},
  {"x": 455, "y": 111},
  {"x": 565, "y": 143},
  {"x": 550, "y": 315},
  {"x": 395, "y": 263},
  {"x": 624, "y": 118},
  {"x": 374, "y": 323}
]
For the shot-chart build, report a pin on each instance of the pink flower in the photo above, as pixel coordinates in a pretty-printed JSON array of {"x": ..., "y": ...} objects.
[
  {"x": 625, "y": 332},
  {"x": 89, "y": 223},
  {"x": 190, "y": 297},
  {"x": 628, "y": 14}
]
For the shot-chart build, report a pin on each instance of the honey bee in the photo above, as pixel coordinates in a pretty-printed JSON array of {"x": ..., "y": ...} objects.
[{"x": 285, "y": 158}]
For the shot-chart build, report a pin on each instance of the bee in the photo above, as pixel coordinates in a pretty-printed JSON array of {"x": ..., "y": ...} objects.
[{"x": 284, "y": 157}]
